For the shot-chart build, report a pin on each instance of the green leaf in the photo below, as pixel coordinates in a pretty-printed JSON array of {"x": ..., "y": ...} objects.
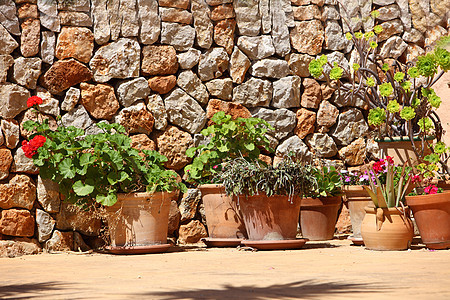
[
  {"x": 86, "y": 159},
  {"x": 66, "y": 168},
  {"x": 112, "y": 178},
  {"x": 108, "y": 200},
  {"x": 82, "y": 189}
]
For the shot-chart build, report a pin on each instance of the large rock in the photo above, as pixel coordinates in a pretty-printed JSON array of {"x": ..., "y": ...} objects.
[
  {"x": 393, "y": 47},
  {"x": 13, "y": 100},
  {"x": 78, "y": 117},
  {"x": 189, "y": 203},
  {"x": 212, "y": 63},
  {"x": 306, "y": 120},
  {"x": 224, "y": 34},
  {"x": 247, "y": 17},
  {"x": 50, "y": 105},
  {"x": 307, "y": 37},
  {"x": 136, "y": 119},
  {"x": 294, "y": 145},
  {"x": 72, "y": 217},
  {"x": 76, "y": 42},
  {"x": 37, "y": 116},
  {"x": 19, "y": 192},
  {"x": 74, "y": 18},
  {"x": 129, "y": 17},
  {"x": 6, "y": 160},
  {"x": 239, "y": 64},
  {"x": 29, "y": 39},
  {"x": 390, "y": 28},
  {"x": 307, "y": 12},
  {"x": 99, "y": 100},
  {"x": 27, "y": 10},
  {"x": 286, "y": 92},
  {"x": 351, "y": 125},
  {"x": 334, "y": 38},
  {"x": 27, "y": 71},
  {"x": 348, "y": 99},
  {"x": 389, "y": 12},
  {"x": 7, "y": 42},
  {"x": 8, "y": 17},
  {"x": 355, "y": 153},
  {"x": 298, "y": 63},
  {"x": 159, "y": 60},
  {"x": 256, "y": 47},
  {"x": 222, "y": 12},
  {"x": 412, "y": 52},
  {"x": 282, "y": 120},
  {"x": 202, "y": 23},
  {"x": 183, "y": 4},
  {"x": 189, "y": 59},
  {"x": 65, "y": 73},
  {"x": 48, "y": 14},
  {"x": 184, "y": 111},
  {"x": 102, "y": 29},
  {"x": 120, "y": 59},
  {"x": 327, "y": 114},
  {"x": 280, "y": 11},
  {"x": 270, "y": 67},
  {"x": 6, "y": 61},
  {"x": 221, "y": 88},
  {"x": 322, "y": 145},
  {"x": 173, "y": 144},
  {"x": 17, "y": 222},
  {"x": 191, "y": 84},
  {"x": 192, "y": 232},
  {"x": 48, "y": 44},
  {"x": 174, "y": 218},
  {"x": 156, "y": 106},
  {"x": 23, "y": 164},
  {"x": 71, "y": 99},
  {"x": 130, "y": 91},
  {"x": 48, "y": 195},
  {"x": 413, "y": 36},
  {"x": 254, "y": 92},
  {"x": 60, "y": 241},
  {"x": 45, "y": 225},
  {"x": 181, "y": 37},
  {"x": 149, "y": 20},
  {"x": 312, "y": 93},
  {"x": 11, "y": 131},
  {"x": 175, "y": 15},
  {"x": 162, "y": 84},
  {"x": 235, "y": 110},
  {"x": 142, "y": 142},
  {"x": 18, "y": 248},
  {"x": 115, "y": 17},
  {"x": 266, "y": 16}
]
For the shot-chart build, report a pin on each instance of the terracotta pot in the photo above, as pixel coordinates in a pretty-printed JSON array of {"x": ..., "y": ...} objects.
[
  {"x": 432, "y": 215},
  {"x": 139, "y": 219},
  {"x": 223, "y": 217},
  {"x": 270, "y": 218},
  {"x": 387, "y": 228},
  {"x": 318, "y": 217},
  {"x": 400, "y": 149},
  {"x": 356, "y": 199}
]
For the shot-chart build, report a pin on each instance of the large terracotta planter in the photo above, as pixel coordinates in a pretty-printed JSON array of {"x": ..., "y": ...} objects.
[
  {"x": 318, "y": 217},
  {"x": 387, "y": 228},
  {"x": 432, "y": 215},
  {"x": 356, "y": 198},
  {"x": 222, "y": 214},
  {"x": 400, "y": 149},
  {"x": 138, "y": 222}
]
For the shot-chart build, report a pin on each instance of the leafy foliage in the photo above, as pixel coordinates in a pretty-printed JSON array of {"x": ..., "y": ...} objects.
[{"x": 328, "y": 182}]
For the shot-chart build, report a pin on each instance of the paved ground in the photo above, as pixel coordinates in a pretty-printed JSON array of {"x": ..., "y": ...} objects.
[{"x": 327, "y": 270}]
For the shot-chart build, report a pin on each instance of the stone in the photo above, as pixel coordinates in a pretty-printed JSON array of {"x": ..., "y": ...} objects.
[
  {"x": 286, "y": 6},
  {"x": 188, "y": 204},
  {"x": 173, "y": 143},
  {"x": 128, "y": 13},
  {"x": 45, "y": 225},
  {"x": 17, "y": 222},
  {"x": 102, "y": 29},
  {"x": 239, "y": 64},
  {"x": 282, "y": 120},
  {"x": 72, "y": 217},
  {"x": 18, "y": 248},
  {"x": 307, "y": 37},
  {"x": 235, "y": 110},
  {"x": 6, "y": 160},
  {"x": 327, "y": 114},
  {"x": 383, "y": 2},
  {"x": 23, "y": 164},
  {"x": 212, "y": 63},
  {"x": 413, "y": 36},
  {"x": 390, "y": 28},
  {"x": 13, "y": 100},
  {"x": 338, "y": 57},
  {"x": 136, "y": 118},
  {"x": 79, "y": 5},
  {"x": 420, "y": 15},
  {"x": 351, "y": 125},
  {"x": 270, "y": 67},
  {"x": 247, "y": 17},
  {"x": 60, "y": 241},
  {"x": 174, "y": 218},
  {"x": 77, "y": 117},
  {"x": 19, "y": 192},
  {"x": 175, "y": 15},
  {"x": 28, "y": 10},
  {"x": 48, "y": 44},
  {"x": 73, "y": 18},
  {"x": 142, "y": 142},
  {"x": 48, "y": 195},
  {"x": 7, "y": 42},
  {"x": 119, "y": 59},
  {"x": 280, "y": 23},
  {"x": 253, "y": 92},
  {"x": 99, "y": 100},
  {"x": 8, "y": 17},
  {"x": 27, "y": 71},
  {"x": 266, "y": 17},
  {"x": 6, "y": 61},
  {"x": 48, "y": 14},
  {"x": 393, "y": 48},
  {"x": 34, "y": 115},
  {"x": 184, "y": 111},
  {"x": 389, "y": 12},
  {"x": 50, "y": 105},
  {"x": 312, "y": 93},
  {"x": 294, "y": 145},
  {"x": 11, "y": 132},
  {"x": 222, "y": 12},
  {"x": 305, "y": 122},
  {"x": 189, "y": 59},
  {"x": 218, "y": 2},
  {"x": 256, "y": 47},
  {"x": 64, "y": 74},
  {"x": 298, "y": 64},
  {"x": 156, "y": 106},
  {"x": 330, "y": 12},
  {"x": 224, "y": 34},
  {"x": 192, "y": 85},
  {"x": 79, "y": 244},
  {"x": 149, "y": 20},
  {"x": 306, "y": 12},
  {"x": 347, "y": 99},
  {"x": 132, "y": 90},
  {"x": 334, "y": 38},
  {"x": 183, "y": 4},
  {"x": 286, "y": 92},
  {"x": 71, "y": 99},
  {"x": 220, "y": 88},
  {"x": 75, "y": 42},
  {"x": 159, "y": 60},
  {"x": 29, "y": 40},
  {"x": 192, "y": 232},
  {"x": 327, "y": 91},
  {"x": 162, "y": 84},
  {"x": 181, "y": 37},
  {"x": 322, "y": 145},
  {"x": 202, "y": 23},
  {"x": 355, "y": 153},
  {"x": 432, "y": 35},
  {"x": 412, "y": 52}
]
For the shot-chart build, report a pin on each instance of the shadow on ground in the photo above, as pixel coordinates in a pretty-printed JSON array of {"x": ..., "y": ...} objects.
[
  {"x": 31, "y": 290},
  {"x": 307, "y": 289}
]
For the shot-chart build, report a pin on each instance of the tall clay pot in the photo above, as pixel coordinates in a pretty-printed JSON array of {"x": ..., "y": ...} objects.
[
  {"x": 223, "y": 217},
  {"x": 318, "y": 217},
  {"x": 432, "y": 215},
  {"x": 387, "y": 228},
  {"x": 356, "y": 198}
]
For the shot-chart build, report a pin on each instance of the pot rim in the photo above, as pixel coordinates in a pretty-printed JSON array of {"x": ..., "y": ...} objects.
[
  {"x": 428, "y": 199},
  {"x": 144, "y": 195}
]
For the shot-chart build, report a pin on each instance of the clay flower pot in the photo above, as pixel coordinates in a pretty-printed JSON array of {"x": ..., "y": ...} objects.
[
  {"x": 387, "y": 228},
  {"x": 356, "y": 198},
  {"x": 432, "y": 215}
]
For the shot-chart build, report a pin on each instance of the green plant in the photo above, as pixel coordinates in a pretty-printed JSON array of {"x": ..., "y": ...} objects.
[
  {"x": 228, "y": 139},
  {"x": 328, "y": 181},
  {"x": 96, "y": 167}
]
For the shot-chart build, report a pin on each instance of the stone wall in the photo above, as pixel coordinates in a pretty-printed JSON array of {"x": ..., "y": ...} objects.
[{"x": 163, "y": 68}]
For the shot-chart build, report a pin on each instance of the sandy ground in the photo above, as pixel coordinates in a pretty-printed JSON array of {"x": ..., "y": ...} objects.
[{"x": 325, "y": 270}]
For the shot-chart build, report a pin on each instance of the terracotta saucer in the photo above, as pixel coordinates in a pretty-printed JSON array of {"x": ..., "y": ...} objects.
[
  {"x": 356, "y": 241},
  {"x": 438, "y": 246},
  {"x": 221, "y": 242},
  {"x": 138, "y": 249},
  {"x": 275, "y": 244}
]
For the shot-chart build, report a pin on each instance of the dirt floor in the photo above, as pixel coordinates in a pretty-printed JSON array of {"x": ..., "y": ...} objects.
[{"x": 325, "y": 270}]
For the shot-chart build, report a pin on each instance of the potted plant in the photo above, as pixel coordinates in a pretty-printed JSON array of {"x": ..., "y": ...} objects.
[
  {"x": 103, "y": 170},
  {"x": 227, "y": 139},
  {"x": 319, "y": 211},
  {"x": 269, "y": 198}
]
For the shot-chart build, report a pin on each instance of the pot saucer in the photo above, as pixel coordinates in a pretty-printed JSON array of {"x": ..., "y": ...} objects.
[
  {"x": 275, "y": 244},
  {"x": 138, "y": 249},
  {"x": 221, "y": 242},
  {"x": 356, "y": 241}
]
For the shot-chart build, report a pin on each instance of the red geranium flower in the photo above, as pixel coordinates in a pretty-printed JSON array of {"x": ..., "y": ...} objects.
[
  {"x": 416, "y": 178},
  {"x": 431, "y": 189},
  {"x": 34, "y": 100},
  {"x": 390, "y": 160},
  {"x": 378, "y": 166},
  {"x": 30, "y": 148}
]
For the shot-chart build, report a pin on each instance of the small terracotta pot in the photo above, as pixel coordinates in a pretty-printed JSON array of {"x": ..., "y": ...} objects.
[
  {"x": 318, "y": 217},
  {"x": 432, "y": 215},
  {"x": 223, "y": 217},
  {"x": 270, "y": 218},
  {"x": 356, "y": 198},
  {"x": 387, "y": 228}
]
